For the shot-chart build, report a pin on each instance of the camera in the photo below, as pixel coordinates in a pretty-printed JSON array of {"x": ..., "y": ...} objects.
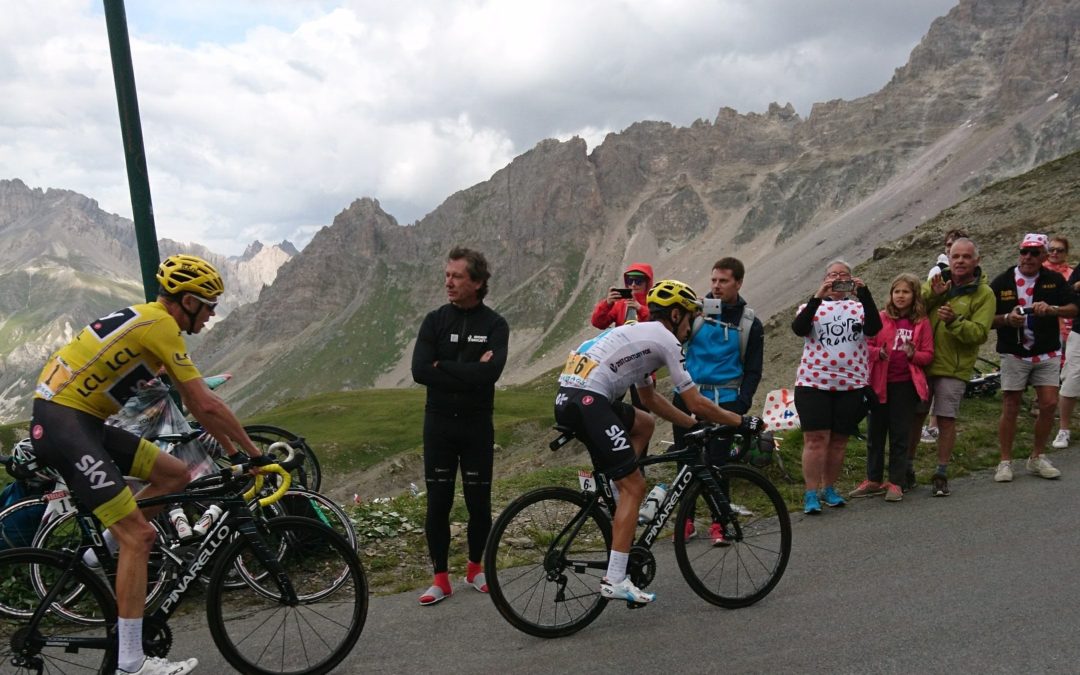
[
  {"x": 711, "y": 306},
  {"x": 625, "y": 293},
  {"x": 843, "y": 285}
]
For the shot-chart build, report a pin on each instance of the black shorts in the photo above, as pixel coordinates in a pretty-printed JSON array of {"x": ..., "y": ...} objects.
[
  {"x": 603, "y": 426},
  {"x": 836, "y": 411},
  {"x": 92, "y": 457}
]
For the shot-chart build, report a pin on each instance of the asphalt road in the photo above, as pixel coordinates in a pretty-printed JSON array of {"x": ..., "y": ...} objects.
[{"x": 986, "y": 580}]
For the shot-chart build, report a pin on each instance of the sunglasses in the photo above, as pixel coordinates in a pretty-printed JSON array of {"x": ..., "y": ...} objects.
[
  {"x": 634, "y": 281},
  {"x": 1031, "y": 251},
  {"x": 211, "y": 305},
  {"x": 1058, "y": 249}
]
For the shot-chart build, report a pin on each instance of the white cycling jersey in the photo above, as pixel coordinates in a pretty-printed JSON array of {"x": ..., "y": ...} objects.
[{"x": 627, "y": 355}]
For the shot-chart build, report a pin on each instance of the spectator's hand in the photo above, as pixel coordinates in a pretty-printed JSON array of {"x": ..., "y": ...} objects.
[
  {"x": 858, "y": 283},
  {"x": 633, "y": 303},
  {"x": 612, "y": 296},
  {"x": 1014, "y": 318},
  {"x": 1041, "y": 308},
  {"x": 908, "y": 348},
  {"x": 946, "y": 313},
  {"x": 939, "y": 285},
  {"x": 486, "y": 356},
  {"x": 883, "y": 354},
  {"x": 826, "y": 288}
]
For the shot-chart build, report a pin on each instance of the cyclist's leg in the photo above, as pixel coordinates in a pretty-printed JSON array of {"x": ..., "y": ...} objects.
[
  {"x": 477, "y": 458},
  {"x": 440, "y": 472},
  {"x": 615, "y": 434}
]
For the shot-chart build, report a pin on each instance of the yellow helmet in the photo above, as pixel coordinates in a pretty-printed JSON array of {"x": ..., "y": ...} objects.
[
  {"x": 188, "y": 274},
  {"x": 672, "y": 293}
]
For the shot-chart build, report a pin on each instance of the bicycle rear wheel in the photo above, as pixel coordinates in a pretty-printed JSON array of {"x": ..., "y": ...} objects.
[
  {"x": 758, "y": 539},
  {"x": 65, "y": 534},
  {"x": 255, "y": 628},
  {"x": 56, "y": 644},
  {"x": 544, "y": 565}
]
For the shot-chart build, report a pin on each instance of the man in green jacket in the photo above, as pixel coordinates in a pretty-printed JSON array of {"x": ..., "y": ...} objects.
[{"x": 961, "y": 306}]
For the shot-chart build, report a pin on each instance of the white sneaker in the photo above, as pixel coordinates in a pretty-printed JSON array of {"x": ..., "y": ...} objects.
[
  {"x": 1062, "y": 440},
  {"x": 1004, "y": 472},
  {"x": 1041, "y": 467},
  {"x": 625, "y": 590},
  {"x": 154, "y": 665},
  {"x": 929, "y": 435}
]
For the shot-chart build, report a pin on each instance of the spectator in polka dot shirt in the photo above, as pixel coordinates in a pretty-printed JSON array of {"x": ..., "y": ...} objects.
[
  {"x": 1030, "y": 299},
  {"x": 833, "y": 375},
  {"x": 960, "y": 305}
]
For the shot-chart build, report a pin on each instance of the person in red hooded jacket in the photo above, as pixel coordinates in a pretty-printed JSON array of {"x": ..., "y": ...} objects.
[{"x": 611, "y": 311}]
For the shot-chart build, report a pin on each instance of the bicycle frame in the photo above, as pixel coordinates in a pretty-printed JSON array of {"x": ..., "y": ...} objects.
[{"x": 693, "y": 466}]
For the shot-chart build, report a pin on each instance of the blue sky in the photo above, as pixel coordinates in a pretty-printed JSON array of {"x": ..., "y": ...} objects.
[{"x": 264, "y": 119}]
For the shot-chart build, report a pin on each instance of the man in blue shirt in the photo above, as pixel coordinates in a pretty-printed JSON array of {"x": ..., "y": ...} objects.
[{"x": 724, "y": 356}]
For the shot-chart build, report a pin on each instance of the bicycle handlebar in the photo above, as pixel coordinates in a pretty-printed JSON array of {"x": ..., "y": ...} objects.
[{"x": 282, "y": 468}]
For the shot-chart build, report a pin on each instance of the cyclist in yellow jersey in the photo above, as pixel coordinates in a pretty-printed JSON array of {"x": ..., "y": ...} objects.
[{"x": 90, "y": 378}]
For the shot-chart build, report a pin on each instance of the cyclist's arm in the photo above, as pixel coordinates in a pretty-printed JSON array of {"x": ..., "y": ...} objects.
[
  {"x": 423, "y": 361},
  {"x": 483, "y": 373},
  {"x": 663, "y": 407},
  {"x": 215, "y": 416},
  {"x": 706, "y": 410}
]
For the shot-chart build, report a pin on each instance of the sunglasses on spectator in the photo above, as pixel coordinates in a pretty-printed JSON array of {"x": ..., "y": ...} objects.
[
  {"x": 1058, "y": 249},
  {"x": 211, "y": 305},
  {"x": 1031, "y": 251},
  {"x": 635, "y": 281}
]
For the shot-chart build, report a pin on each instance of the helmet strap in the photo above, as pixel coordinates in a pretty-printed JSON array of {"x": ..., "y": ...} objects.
[{"x": 190, "y": 315}]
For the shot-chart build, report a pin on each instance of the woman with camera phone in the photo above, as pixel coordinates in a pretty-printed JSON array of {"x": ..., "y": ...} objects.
[{"x": 833, "y": 375}]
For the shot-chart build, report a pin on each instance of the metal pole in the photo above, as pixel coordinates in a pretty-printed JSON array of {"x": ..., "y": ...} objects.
[{"x": 134, "y": 151}]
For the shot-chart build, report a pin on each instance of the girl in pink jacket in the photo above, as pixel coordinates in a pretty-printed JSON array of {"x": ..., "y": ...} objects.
[{"x": 898, "y": 354}]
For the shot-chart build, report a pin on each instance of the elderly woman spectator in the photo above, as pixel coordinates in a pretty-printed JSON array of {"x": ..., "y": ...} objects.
[{"x": 833, "y": 375}]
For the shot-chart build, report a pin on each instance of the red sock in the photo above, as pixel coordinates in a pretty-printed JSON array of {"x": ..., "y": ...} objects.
[
  {"x": 442, "y": 580},
  {"x": 471, "y": 570}
]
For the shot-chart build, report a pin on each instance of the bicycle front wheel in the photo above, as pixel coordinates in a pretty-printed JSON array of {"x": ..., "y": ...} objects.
[
  {"x": 55, "y": 644},
  {"x": 255, "y": 627},
  {"x": 757, "y": 539},
  {"x": 544, "y": 560}
]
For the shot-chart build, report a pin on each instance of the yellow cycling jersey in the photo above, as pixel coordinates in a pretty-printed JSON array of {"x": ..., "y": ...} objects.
[{"x": 103, "y": 366}]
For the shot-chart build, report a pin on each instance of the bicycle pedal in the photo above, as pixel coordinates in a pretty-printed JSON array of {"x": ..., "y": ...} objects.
[{"x": 635, "y": 605}]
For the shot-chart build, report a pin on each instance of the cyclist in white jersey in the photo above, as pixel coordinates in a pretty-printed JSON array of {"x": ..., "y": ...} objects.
[{"x": 598, "y": 373}]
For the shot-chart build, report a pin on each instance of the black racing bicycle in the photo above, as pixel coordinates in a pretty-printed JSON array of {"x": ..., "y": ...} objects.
[
  {"x": 300, "y": 608},
  {"x": 548, "y": 550}
]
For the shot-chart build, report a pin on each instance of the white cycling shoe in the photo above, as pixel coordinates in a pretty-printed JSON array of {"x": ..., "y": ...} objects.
[
  {"x": 625, "y": 590},
  {"x": 154, "y": 665}
]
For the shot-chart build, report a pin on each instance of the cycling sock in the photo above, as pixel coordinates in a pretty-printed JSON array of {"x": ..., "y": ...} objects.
[
  {"x": 471, "y": 570},
  {"x": 442, "y": 580},
  {"x": 616, "y": 567},
  {"x": 942, "y": 469},
  {"x": 129, "y": 634}
]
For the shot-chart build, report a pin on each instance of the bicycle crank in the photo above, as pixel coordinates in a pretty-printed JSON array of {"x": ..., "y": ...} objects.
[
  {"x": 157, "y": 637},
  {"x": 641, "y": 567}
]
